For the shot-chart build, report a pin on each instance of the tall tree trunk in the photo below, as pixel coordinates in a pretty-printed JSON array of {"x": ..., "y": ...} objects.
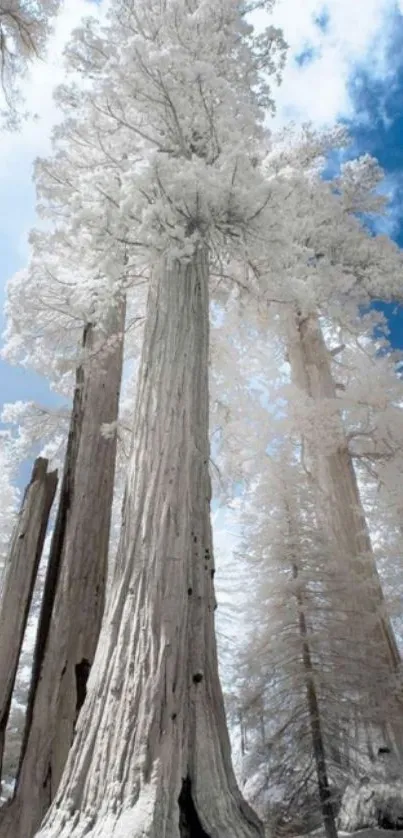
[
  {"x": 318, "y": 746},
  {"x": 74, "y": 598},
  {"x": 339, "y": 502},
  {"x": 19, "y": 580},
  {"x": 151, "y": 756}
]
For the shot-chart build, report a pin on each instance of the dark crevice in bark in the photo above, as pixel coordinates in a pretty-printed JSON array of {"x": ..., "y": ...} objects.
[
  {"x": 189, "y": 824},
  {"x": 47, "y": 784},
  {"x": 3, "y": 727},
  {"x": 82, "y": 670}
]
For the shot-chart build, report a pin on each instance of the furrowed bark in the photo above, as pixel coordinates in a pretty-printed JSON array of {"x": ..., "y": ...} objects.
[
  {"x": 340, "y": 507},
  {"x": 151, "y": 756},
  {"x": 74, "y": 601},
  {"x": 19, "y": 580}
]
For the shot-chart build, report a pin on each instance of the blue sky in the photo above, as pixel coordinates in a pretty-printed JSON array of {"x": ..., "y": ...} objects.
[
  {"x": 377, "y": 127},
  {"x": 345, "y": 62}
]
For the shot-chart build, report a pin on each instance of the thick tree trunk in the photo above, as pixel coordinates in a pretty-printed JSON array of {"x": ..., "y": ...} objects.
[
  {"x": 339, "y": 503},
  {"x": 75, "y": 591},
  {"x": 19, "y": 580},
  {"x": 318, "y": 746},
  {"x": 151, "y": 756}
]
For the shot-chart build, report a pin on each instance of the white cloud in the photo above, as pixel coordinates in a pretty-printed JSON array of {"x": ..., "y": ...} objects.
[{"x": 357, "y": 32}]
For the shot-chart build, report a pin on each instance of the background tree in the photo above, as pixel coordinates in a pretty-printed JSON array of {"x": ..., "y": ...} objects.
[
  {"x": 24, "y": 29},
  {"x": 245, "y": 418},
  {"x": 19, "y": 579},
  {"x": 65, "y": 293}
]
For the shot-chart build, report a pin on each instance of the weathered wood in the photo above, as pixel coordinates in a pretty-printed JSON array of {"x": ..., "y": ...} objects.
[
  {"x": 75, "y": 587},
  {"x": 19, "y": 579},
  {"x": 56, "y": 548}
]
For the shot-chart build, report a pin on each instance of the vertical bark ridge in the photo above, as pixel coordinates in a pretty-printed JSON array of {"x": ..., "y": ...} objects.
[{"x": 154, "y": 715}]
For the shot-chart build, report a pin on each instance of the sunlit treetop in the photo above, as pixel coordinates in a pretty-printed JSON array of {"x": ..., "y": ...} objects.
[{"x": 178, "y": 97}]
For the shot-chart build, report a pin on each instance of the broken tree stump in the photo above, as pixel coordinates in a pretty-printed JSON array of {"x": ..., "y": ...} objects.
[{"x": 19, "y": 579}]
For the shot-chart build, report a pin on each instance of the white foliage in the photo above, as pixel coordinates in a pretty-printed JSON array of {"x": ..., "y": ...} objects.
[
  {"x": 24, "y": 29},
  {"x": 9, "y": 495}
]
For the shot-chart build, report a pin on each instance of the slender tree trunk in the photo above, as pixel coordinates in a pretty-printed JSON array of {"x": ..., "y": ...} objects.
[
  {"x": 58, "y": 537},
  {"x": 75, "y": 588},
  {"x": 339, "y": 503},
  {"x": 19, "y": 580},
  {"x": 325, "y": 796},
  {"x": 151, "y": 756}
]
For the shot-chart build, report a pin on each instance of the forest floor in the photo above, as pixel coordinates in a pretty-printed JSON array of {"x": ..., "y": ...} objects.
[{"x": 369, "y": 832}]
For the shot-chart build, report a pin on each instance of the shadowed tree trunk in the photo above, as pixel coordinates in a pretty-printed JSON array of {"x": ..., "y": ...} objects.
[
  {"x": 340, "y": 507},
  {"x": 318, "y": 746},
  {"x": 151, "y": 756},
  {"x": 75, "y": 586},
  {"x": 19, "y": 580}
]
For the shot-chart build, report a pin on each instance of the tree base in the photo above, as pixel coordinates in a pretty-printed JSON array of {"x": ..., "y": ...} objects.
[
  {"x": 189, "y": 824},
  {"x": 145, "y": 820}
]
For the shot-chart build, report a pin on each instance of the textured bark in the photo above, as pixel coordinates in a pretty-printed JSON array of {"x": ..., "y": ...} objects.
[
  {"x": 339, "y": 503},
  {"x": 151, "y": 756},
  {"x": 74, "y": 602},
  {"x": 19, "y": 580}
]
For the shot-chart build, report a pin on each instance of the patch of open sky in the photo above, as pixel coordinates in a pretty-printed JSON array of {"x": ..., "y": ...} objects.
[
  {"x": 17, "y": 382},
  {"x": 322, "y": 20},
  {"x": 377, "y": 127},
  {"x": 306, "y": 56}
]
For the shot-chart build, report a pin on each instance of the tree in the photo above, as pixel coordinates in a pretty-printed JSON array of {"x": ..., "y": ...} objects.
[
  {"x": 338, "y": 267},
  {"x": 338, "y": 490},
  {"x": 151, "y": 752},
  {"x": 19, "y": 580},
  {"x": 351, "y": 259},
  {"x": 309, "y": 693},
  {"x": 64, "y": 293},
  {"x": 24, "y": 29},
  {"x": 74, "y": 592}
]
